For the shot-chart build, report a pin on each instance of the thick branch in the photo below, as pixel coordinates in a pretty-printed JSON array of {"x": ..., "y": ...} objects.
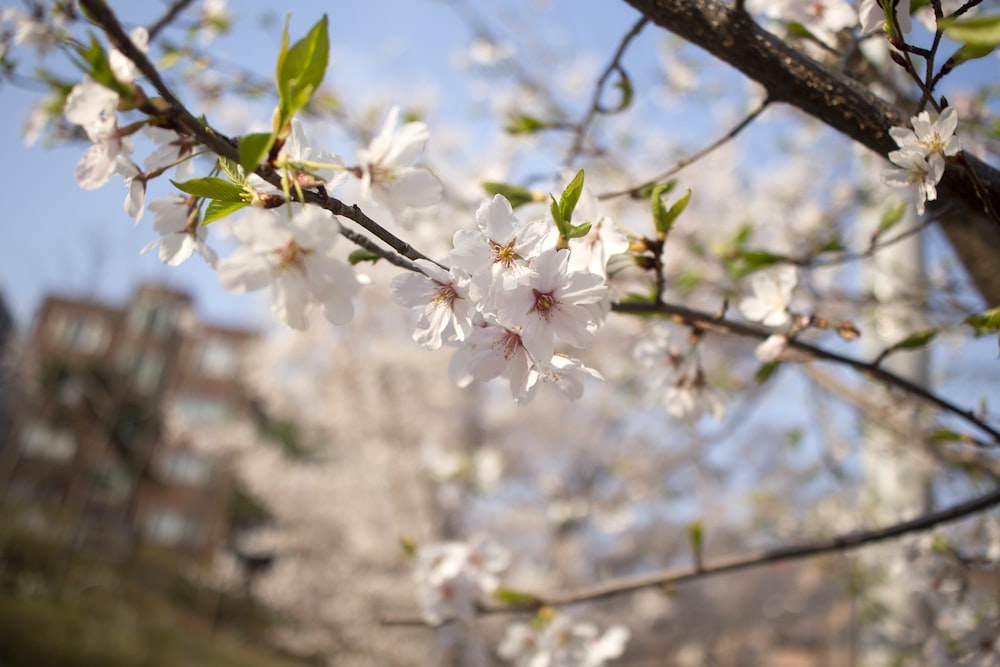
[{"x": 845, "y": 105}]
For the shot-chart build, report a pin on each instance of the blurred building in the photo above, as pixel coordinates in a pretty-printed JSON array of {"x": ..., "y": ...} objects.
[
  {"x": 6, "y": 373},
  {"x": 89, "y": 442}
]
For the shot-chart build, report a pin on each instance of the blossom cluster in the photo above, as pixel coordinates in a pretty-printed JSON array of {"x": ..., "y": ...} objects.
[
  {"x": 920, "y": 159},
  {"x": 453, "y": 577},
  {"x": 508, "y": 294}
]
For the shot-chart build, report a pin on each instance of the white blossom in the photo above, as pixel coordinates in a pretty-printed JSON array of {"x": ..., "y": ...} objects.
[
  {"x": 387, "y": 177},
  {"x": 561, "y": 642},
  {"x": 772, "y": 292},
  {"x": 289, "y": 249},
  {"x": 927, "y": 136},
  {"x": 442, "y": 296},
  {"x": 915, "y": 168},
  {"x": 181, "y": 233},
  {"x": 451, "y": 577}
]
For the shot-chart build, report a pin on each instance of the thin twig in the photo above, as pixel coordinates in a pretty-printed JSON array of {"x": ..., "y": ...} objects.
[
  {"x": 172, "y": 12},
  {"x": 691, "y": 159},
  {"x": 580, "y": 130},
  {"x": 713, "y": 322}
]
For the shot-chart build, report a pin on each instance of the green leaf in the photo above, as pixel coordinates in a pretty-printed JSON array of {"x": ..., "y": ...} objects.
[
  {"x": 515, "y": 598},
  {"x": 579, "y": 231},
  {"x": 977, "y": 31},
  {"x": 984, "y": 323},
  {"x": 561, "y": 225},
  {"x": 218, "y": 209},
  {"x": 408, "y": 546},
  {"x": 833, "y": 244},
  {"x": 664, "y": 218},
  {"x": 969, "y": 51},
  {"x": 623, "y": 84},
  {"x": 212, "y": 188},
  {"x": 570, "y": 197},
  {"x": 915, "y": 340},
  {"x": 233, "y": 170},
  {"x": 697, "y": 540},
  {"x": 746, "y": 262},
  {"x": 301, "y": 69},
  {"x": 92, "y": 59},
  {"x": 765, "y": 371},
  {"x": 362, "y": 255},
  {"x": 516, "y": 195},
  {"x": 253, "y": 148},
  {"x": 946, "y": 435},
  {"x": 526, "y": 125},
  {"x": 890, "y": 217}
]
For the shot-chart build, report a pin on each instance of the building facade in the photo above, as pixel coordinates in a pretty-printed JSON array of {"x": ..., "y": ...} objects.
[{"x": 90, "y": 440}]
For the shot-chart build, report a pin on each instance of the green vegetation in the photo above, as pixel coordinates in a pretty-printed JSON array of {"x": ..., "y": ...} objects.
[{"x": 62, "y": 608}]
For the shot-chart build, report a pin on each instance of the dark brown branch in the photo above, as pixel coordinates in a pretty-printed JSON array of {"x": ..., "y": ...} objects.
[
  {"x": 837, "y": 544},
  {"x": 172, "y": 13},
  {"x": 715, "y": 322},
  {"x": 846, "y": 106},
  {"x": 226, "y": 147}
]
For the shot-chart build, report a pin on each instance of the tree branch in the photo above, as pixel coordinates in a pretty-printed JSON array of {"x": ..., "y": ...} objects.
[
  {"x": 843, "y": 104},
  {"x": 716, "y": 322}
]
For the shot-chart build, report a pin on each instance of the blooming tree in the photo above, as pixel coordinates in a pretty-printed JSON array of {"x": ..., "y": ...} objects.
[{"x": 552, "y": 283}]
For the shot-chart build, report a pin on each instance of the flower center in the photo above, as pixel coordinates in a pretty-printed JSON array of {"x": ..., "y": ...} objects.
[
  {"x": 291, "y": 256},
  {"x": 505, "y": 254},
  {"x": 544, "y": 303},
  {"x": 445, "y": 294}
]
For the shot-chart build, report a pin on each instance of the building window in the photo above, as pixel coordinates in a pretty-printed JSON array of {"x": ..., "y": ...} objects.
[
  {"x": 181, "y": 467},
  {"x": 172, "y": 528},
  {"x": 148, "y": 371},
  {"x": 44, "y": 441},
  {"x": 156, "y": 319},
  {"x": 216, "y": 358},
  {"x": 201, "y": 409},
  {"x": 80, "y": 332}
]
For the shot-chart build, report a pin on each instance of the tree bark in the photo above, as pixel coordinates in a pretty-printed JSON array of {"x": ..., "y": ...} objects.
[{"x": 847, "y": 106}]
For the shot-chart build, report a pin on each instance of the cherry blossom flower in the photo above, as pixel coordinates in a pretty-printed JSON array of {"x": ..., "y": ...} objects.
[
  {"x": 937, "y": 136},
  {"x": 772, "y": 292},
  {"x": 181, "y": 233},
  {"x": 290, "y": 251},
  {"x": 171, "y": 148},
  {"x": 566, "y": 374},
  {"x": 772, "y": 348},
  {"x": 915, "y": 168},
  {"x": 592, "y": 252},
  {"x": 560, "y": 642},
  {"x": 94, "y": 108},
  {"x": 873, "y": 17},
  {"x": 491, "y": 351},
  {"x": 121, "y": 66},
  {"x": 442, "y": 296},
  {"x": 135, "y": 183},
  {"x": 497, "y": 253},
  {"x": 451, "y": 577},
  {"x": 823, "y": 18},
  {"x": 551, "y": 302},
  {"x": 676, "y": 379},
  {"x": 387, "y": 179}
]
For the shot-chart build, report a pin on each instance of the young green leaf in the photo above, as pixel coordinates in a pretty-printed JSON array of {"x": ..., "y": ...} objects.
[
  {"x": 301, "y": 70},
  {"x": 362, "y": 255},
  {"x": 253, "y": 148},
  {"x": 525, "y": 125},
  {"x": 664, "y": 218},
  {"x": 579, "y": 231},
  {"x": 233, "y": 170},
  {"x": 916, "y": 340},
  {"x": 212, "y": 188},
  {"x": 516, "y": 195},
  {"x": 570, "y": 197},
  {"x": 218, "y": 209},
  {"x": 515, "y": 598},
  {"x": 976, "y": 31},
  {"x": 765, "y": 371}
]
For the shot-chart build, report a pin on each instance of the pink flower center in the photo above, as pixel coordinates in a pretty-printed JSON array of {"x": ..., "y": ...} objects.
[
  {"x": 445, "y": 293},
  {"x": 545, "y": 302}
]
